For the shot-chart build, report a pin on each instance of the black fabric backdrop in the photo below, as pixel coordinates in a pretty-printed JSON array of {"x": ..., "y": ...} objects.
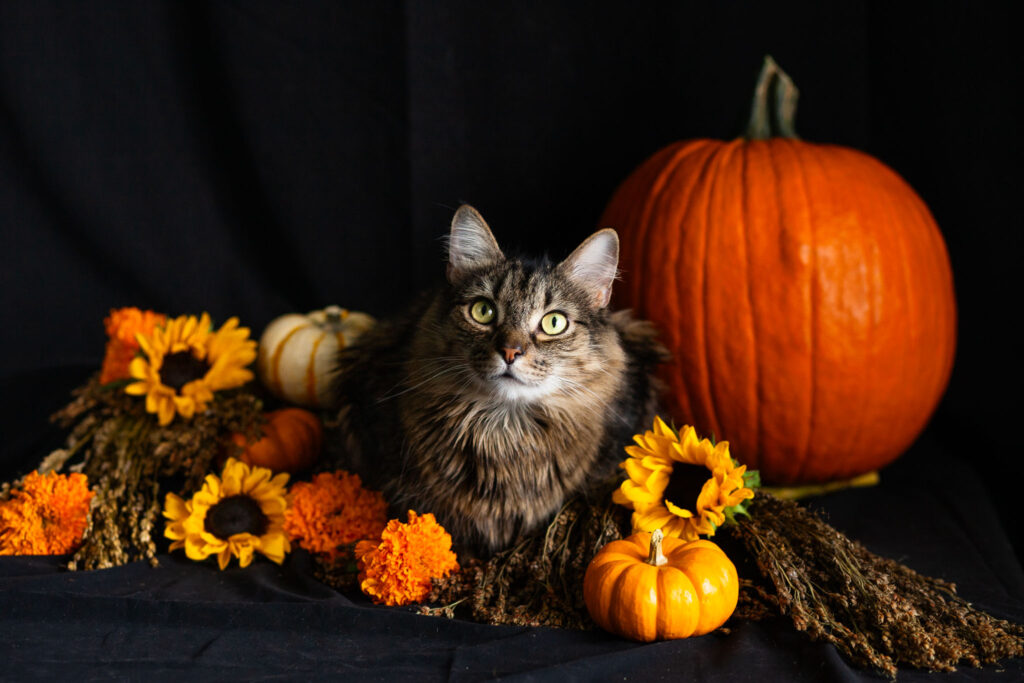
[{"x": 253, "y": 158}]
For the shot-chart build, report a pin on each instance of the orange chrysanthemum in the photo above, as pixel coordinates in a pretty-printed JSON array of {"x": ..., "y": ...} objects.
[
  {"x": 46, "y": 516},
  {"x": 334, "y": 510},
  {"x": 399, "y": 570},
  {"x": 122, "y": 325}
]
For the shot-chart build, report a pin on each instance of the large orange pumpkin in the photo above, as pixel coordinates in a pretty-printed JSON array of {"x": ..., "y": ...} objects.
[{"x": 804, "y": 291}]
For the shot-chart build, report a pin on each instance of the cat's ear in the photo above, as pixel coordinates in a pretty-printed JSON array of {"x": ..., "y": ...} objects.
[
  {"x": 470, "y": 244},
  {"x": 594, "y": 264}
]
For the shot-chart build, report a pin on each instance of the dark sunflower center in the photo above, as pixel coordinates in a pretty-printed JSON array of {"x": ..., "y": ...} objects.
[
  {"x": 236, "y": 515},
  {"x": 180, "y": 368},
  {"x": 685, "y": 483}
]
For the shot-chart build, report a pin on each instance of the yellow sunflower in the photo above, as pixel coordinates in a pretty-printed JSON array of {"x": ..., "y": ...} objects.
[
  {"x": 186, "y": 361},
  {"x": 238, "y": 513},
  {"x": 685, "y": 486}
]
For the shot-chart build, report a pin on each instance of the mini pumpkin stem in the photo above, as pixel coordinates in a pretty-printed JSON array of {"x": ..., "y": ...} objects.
[
  {"x": 335, "y": 314},
  {"x": 655, "y": 557},
  {"x": 773, "y": 110}
]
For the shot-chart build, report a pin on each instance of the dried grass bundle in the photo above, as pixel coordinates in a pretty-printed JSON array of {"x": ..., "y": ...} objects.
[
  {"x": 879, "y": 613},
  {"x": 132, "y": 462}
]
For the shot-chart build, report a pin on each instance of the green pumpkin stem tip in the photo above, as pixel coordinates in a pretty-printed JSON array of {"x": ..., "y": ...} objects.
[{"x": 773, "y": 109}]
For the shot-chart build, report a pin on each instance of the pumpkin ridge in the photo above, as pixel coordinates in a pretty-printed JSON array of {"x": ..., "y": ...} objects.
[
  {"x": 311, "y": 387},
  {"x": 797, "y": 454},
  {"x": 675, "y": 620},
  {"x": 602, "y": 567},
  {"x": 708, "y": 371},
  {"x": 275, "y": 362},
  {"x": 729, "y": 280},
  {"x": 654, "y": 196},
  {"x": 661, "y": 590},
  {"x": 275, "y": 440},
  {"x": 670, "y": 273},
  {"x": 940, "y": 267},
  {"x": 703, "y": 562},
  {"x": 814, "y": 304},
  {"x": 885, "y": 225},
  {"x": 620, "y": 613},
  {"x": 659, "y": 172},
  {"x": 932, "y": 281},
  {"x": 912, "y": 361},
  {"x": 855, "y": 412},
  {"x": 752, "y": 350},
  {"x": 944, "y": 323}
]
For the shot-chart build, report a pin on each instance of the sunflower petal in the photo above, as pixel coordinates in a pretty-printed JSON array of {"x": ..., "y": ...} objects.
[
  {"x": 654, "y": 518},
  {"x": 175, "y": 507},
  {"x": 223, "y": 558},
  {"x": 165, "y": 411},
  {"x": 194, "y": 525},
  {"x": 636, "y": 471},
  {"x": 662, "y": 429},
  {"x": 708, "y": 496},
  {"x": 274, "y": 546},
  {"x": 677, "y": 510},
  {"x": 638, "y": 494},
  {"x": 195, "y": 549},
  {"x": 620, "y": 498},
  {"x": 186, "y": 407}
]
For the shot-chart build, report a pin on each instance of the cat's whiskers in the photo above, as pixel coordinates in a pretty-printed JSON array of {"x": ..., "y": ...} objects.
[
  {"x": 446, "y": 370},
  {"x": 425, "y": 360}
]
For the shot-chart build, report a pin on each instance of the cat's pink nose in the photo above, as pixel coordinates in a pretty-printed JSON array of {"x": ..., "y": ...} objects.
[{"x": 511, "y": 353}]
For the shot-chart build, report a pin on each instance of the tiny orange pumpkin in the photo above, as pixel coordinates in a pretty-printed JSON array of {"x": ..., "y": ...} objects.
[
  {"x": 292, "y": 438},
  {"x": 649, "y": 587}
]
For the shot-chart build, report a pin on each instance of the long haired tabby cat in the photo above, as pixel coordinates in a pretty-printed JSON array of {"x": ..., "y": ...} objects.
[{"x": 502, "y": 393}]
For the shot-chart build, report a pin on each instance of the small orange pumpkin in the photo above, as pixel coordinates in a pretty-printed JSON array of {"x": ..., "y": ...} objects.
[
  {"x": 292, "y": 438},
  {"x": 649, "y": 587}
]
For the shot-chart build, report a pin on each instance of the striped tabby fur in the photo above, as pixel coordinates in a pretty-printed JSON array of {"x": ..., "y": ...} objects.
[{"x": 491, "y": 426}]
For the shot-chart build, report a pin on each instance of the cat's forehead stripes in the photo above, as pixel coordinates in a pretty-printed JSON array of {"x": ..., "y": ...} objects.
[{"x": 524, "y": 291}]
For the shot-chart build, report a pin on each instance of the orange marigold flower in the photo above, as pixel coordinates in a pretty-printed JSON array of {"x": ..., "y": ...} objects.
[
  {"x": 122, "y": 325},
  {"x": 334, "y": 510},
  {"x": 399, "y": 569},
  {"x": 46, "y": 516}
]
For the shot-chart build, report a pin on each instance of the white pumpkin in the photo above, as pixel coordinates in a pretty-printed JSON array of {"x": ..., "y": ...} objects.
[{"x": 297, "y": 352}]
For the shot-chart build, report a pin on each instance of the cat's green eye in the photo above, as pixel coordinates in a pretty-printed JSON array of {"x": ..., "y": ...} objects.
[
  {"x": 482, "y": 311},
  {"x": 554, "y": 323}
]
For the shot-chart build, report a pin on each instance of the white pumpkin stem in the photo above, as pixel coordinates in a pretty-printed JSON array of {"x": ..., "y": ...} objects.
[
  {"x": 655, "y": 557},
  {"x": 334, "y": 315},
  {"x": 773, "y": 111}
]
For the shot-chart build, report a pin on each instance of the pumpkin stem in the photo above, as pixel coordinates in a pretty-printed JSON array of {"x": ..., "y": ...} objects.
[
  {"x": 335, "y": 314},
  {"x": 655, "y": 557},
  {"x": 773, "y": 109}
]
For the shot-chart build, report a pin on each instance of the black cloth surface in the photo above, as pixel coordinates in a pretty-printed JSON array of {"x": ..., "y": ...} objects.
[
  {"x": 265, "y": 622},
  {"x": 260, "y": 157}
]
